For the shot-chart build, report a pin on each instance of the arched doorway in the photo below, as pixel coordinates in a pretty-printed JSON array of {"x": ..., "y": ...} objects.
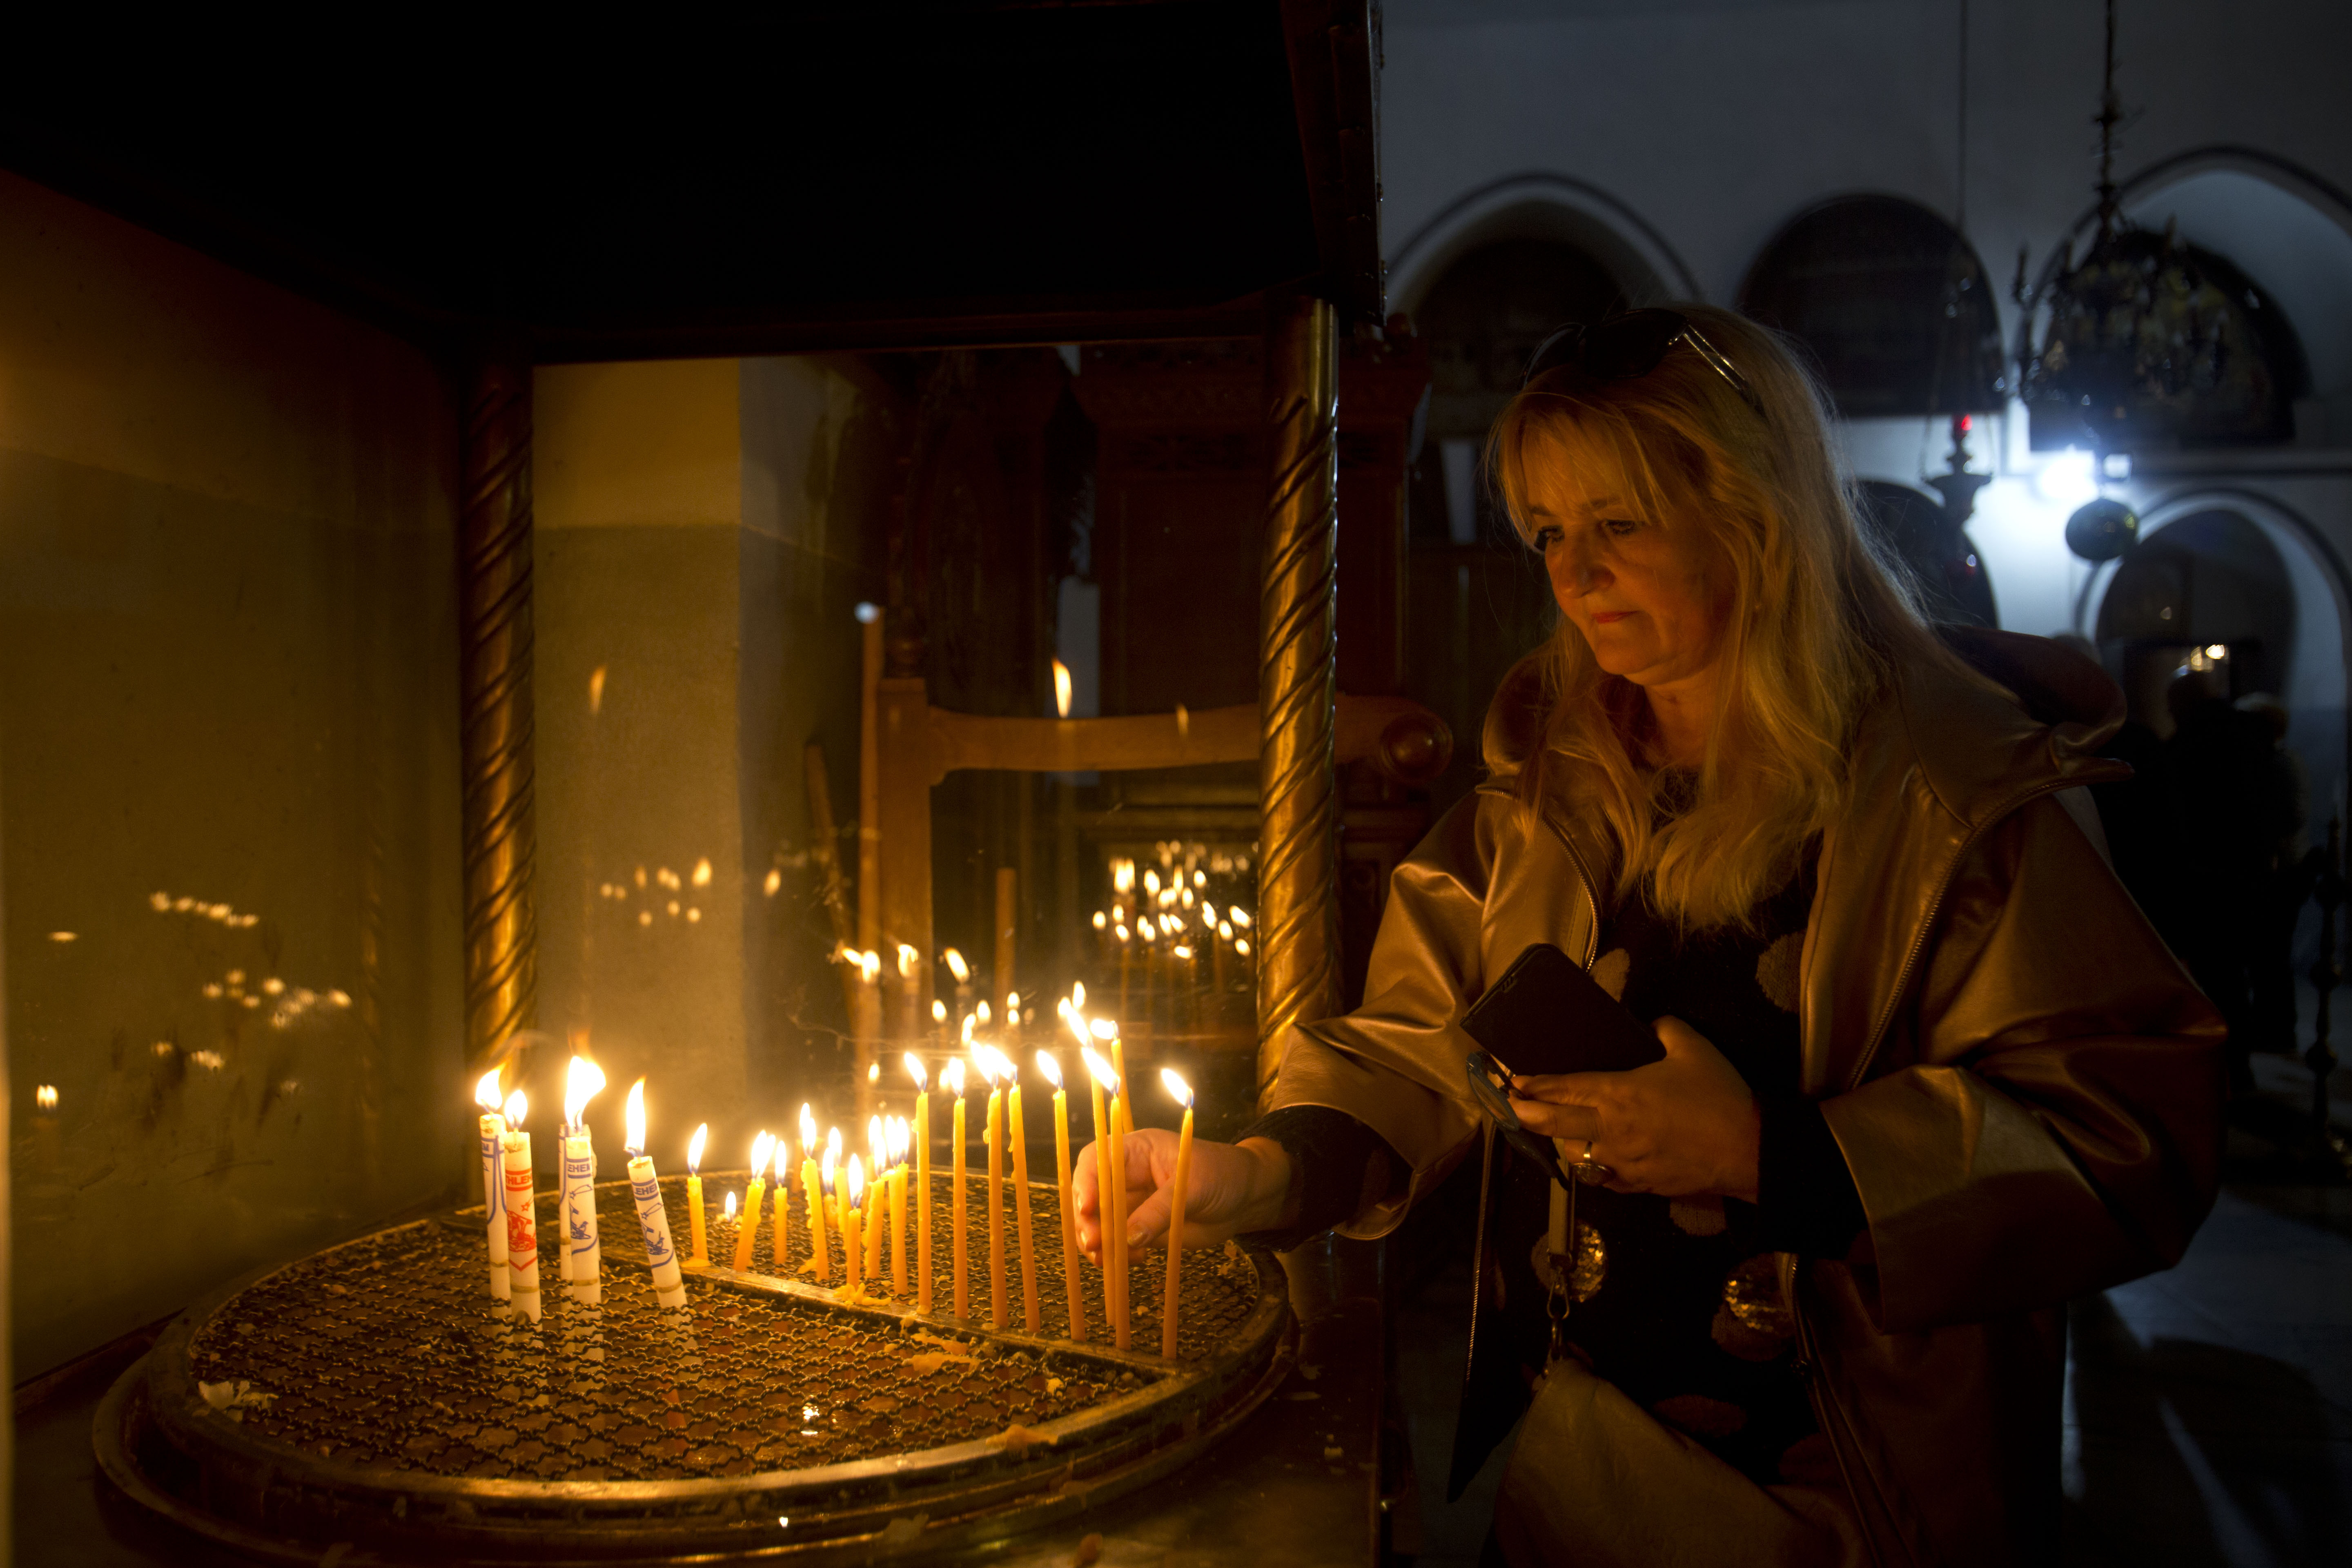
[{"x": 2229, "y": 614}]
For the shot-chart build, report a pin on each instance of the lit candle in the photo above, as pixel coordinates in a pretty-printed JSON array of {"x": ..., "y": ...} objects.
[
  {"x": 875, "y": 1220},
  {"x": 1052, "y": 1068},
  {"x": 922, "y": 1182},
  {"x": 952, "y": 1080},
  {"x": 748, "y": 1233},
  {"x": 661, "y": 1257},
  {"x": 780, "y": 1198},
  {"x": 522, "y": 1210},
  {"x": 494, "y": 1183},
  {"x": 820, "y": 1261},
  {"x": 1183, "y": 1092},
  {"x": 897, "y": 1133},
  {"x": 1098, "y": 1072},
  {"x": 694, "y": 1147},
  {"x": 582, "y": 1266},
  {"x": 1029, "y": 1315},
  {"x": 850, "y": 1250},
  {"x": 962, "y": 973},
  {"x": 939, "y": 1022},
  {"x": 985, "y": 1059}
]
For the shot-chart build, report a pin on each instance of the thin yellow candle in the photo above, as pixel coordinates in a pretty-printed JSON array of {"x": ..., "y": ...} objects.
[
  {"x": 694, "y": 1147},
  {"x": 922, "y": 1181},
  {"x": 748, "y": 1233},
  {"x": 896, "y": 1129},
  {"x": 1110, "y": 1212},
  {"x": 851, "y": 1251},
  {"x": 780, "y": 1236},
  {"x": 1052, "y": 1068},
  {"x": 1183, "y": 1092},
  {"x": 1030, "y": 1317},
  {"x": 875, "y": 1216},
  {"x": 985, "y": 1059},
  {"x": 820, "y": 1261},
  {"x": 952, "y": 1080}
]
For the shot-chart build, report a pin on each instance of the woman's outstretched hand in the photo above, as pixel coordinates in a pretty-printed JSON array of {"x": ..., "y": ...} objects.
[
  {"x": 1683, "y": 1127},
  {"x": 1231, "y": 1189}
]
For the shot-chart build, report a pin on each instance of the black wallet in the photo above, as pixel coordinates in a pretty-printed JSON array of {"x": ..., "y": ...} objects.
[{"x": 1546, "y": 1014}]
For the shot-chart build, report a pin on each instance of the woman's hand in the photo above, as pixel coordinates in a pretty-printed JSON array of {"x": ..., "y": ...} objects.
[
  {"x": 1232, "y": 1188},
  {"x": 1682, "y": 1128}
]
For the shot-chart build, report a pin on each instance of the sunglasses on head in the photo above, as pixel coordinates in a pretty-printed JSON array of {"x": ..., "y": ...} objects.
[{"x": 1623, "y": 347}]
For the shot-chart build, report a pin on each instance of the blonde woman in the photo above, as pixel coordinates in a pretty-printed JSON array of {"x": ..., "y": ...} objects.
[{"x": 1928, "y": 1073}]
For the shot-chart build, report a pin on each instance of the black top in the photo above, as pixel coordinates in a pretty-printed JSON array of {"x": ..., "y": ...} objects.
[{"x": 1678, "y": 1303}]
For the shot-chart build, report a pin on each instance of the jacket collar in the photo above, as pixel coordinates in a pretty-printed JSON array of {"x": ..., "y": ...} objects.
[{"x": 1954, "y": 748}]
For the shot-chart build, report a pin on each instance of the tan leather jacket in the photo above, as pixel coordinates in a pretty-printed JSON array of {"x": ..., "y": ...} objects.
[{"x": 2025, "y": 1084}]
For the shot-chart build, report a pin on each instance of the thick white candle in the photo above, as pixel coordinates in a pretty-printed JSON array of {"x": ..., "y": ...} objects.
[
  {"x": 494, "y": 1183},
  {"x": 522, "y": 1211},
  {"x": 645, "y": 1186}
]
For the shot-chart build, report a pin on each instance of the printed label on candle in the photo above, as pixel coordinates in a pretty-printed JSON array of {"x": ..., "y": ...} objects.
[
  {"x": 522, "y": 1227},
  {"x": 492, "y": 1197},
  {"x": 652, "y": 1220},
  {"x": 579, "y": 1180}
]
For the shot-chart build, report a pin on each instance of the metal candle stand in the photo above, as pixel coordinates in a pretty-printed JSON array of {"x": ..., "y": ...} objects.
[{"x": 368, "y": 1396}]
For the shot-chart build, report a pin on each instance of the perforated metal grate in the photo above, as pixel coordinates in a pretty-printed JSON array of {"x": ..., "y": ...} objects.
[{"x": 386, "y": 1354}]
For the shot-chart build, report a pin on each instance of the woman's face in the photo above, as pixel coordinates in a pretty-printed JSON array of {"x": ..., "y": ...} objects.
[{"x": 1648, "y": 595}]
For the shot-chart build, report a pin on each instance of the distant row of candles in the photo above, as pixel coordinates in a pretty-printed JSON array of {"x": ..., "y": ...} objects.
[{"x": 860, "y": 1199}]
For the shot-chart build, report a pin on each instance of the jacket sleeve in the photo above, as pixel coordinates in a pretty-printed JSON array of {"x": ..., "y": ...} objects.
[
  {"x": 1395, "y": 1064},
  {"x": 2057, "y": 1127}
]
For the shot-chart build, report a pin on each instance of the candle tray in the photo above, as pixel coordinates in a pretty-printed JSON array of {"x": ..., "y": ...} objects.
[{"x": 369, "y": 1398}]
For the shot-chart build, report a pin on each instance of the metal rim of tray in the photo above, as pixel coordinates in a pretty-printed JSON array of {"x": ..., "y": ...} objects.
[{"x": 899, "y": 1507}]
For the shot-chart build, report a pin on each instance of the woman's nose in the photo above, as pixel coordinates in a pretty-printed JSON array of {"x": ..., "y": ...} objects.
[{"x": 1575, "y": 567}]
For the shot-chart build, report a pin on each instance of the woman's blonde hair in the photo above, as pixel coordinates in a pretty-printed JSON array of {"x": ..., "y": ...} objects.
[{"x": 1817, "y": 622}]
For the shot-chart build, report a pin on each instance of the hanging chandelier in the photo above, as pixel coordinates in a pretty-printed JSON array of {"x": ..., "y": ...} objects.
[{"x": 2142, "y": 342}]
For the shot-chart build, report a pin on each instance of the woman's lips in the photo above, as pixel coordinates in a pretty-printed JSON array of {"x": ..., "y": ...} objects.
[{"x": 1609, "y": 617}]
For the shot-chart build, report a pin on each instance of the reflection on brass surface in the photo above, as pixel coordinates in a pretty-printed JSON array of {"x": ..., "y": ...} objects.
[
  {"x": 1754, "y": 1321},
  {"x": 1591, "y": 1268},
  {"x": 497, "y": 834},
  {"x": 1298, "y": 977}
]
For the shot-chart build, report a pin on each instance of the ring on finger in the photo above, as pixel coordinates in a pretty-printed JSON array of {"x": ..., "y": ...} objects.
[{"x": 1591, "y": 1171}]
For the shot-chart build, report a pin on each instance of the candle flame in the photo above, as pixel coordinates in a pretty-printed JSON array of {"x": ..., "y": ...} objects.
[
  {"x": 985, "y": 1016},
  {"x": 583, "y": 1081},
  {"x": 870, "y": 963},
  {"x": 1122, "y": 875},
  {"x": 906, "y": 957},
  {"x": 856, "y": 1180},
  {"x": 1122, "y": 934},
  {"x": 1099, "y": 1070},
  {"x": 517, "y": 1109},
  {"x": 895, "y": 1132},
  {"x": 951, "y": 1075},
  {"x": 1241, "y": 917},
  {"x": 874, "y": 1140},
  {"x": 833, "y": 1144},
  {"x": 915, "y": 1069},
  {"x": 1151, "y": 883},
  {"x": 486, "y": 1090},
  {"x": 1051, "y": 1068},
  {"x": 1177, "y": 1090},
  {"x": 1241, "y": 945},
  {"x": 958, "y": 967},
  {"x": 1077, "y": 993},
  {"x": 1104, "y": 1029},
  {"x": 939, "y": 1010},
  {"x": 596, "y": 691},
  {"x": 763, "y": 1148},
  {"x": 730, "y": 1205},
  {"x": 808, "y": 1131},
  {"x": 633, "y": 1118},
  {"x": 1013, "y": 1007},
  {"x": 1077, "y": 1022},
  {"x": 968, "y": 1022},
  {"x": 825, "y": 1168},
  {"x": 1225, "y": 931},
  {"x": 1061, "y": 689},
  {"x": 993, "y": 1064},
  {"x": 695, "y": 1146},
  {"x": 1102, "y": 920},
  {"x": 874, "y": 1072}
]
